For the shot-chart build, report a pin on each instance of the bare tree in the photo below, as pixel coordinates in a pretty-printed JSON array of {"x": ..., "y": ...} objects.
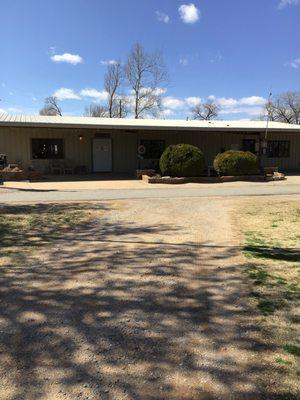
[
  {"x": 112, "y": 84},
  {"x": 284, "y": 108},
  {"x": 145, "y": 73},
  {"x": 95, "y": 110},
  {"x": 206, "y": 111},
  {"x": 51, "y": 107}
]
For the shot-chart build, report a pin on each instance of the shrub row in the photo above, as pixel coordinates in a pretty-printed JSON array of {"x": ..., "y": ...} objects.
[{"x": 185, "y": 160}]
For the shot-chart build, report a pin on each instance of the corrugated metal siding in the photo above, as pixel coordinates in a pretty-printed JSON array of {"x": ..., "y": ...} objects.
[
  {"x": 16, "y": 143},
  {"x": 124, "y": 152},
  {"x": 291, "y": 162}
]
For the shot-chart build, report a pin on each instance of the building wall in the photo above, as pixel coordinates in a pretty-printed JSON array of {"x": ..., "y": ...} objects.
[{"x": 16, "y": 143}]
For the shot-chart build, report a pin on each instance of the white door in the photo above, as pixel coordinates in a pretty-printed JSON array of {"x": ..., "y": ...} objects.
[{"x": 102, "y": 160}]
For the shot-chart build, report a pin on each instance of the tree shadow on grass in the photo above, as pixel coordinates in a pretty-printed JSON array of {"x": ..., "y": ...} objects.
[
  {"x": 273, "y": 253},
  {"x": 142, "y": 317}
]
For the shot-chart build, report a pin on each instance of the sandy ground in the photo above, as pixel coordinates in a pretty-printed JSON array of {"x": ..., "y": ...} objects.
[
  {"x": 147, "y": 303},
  {"x": 131, "y": 184}
]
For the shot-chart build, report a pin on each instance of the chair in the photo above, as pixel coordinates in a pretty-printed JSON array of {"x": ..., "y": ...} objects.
[
  {"x": 69, "y": 167},
  {"x": 56, "y": 167}
]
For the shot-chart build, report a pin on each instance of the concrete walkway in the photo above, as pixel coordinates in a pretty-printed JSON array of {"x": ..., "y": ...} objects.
[{"x": 93, "y": 191}]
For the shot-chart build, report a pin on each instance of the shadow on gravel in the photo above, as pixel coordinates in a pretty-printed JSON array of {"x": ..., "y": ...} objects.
[{"x": 99, "y": 313}]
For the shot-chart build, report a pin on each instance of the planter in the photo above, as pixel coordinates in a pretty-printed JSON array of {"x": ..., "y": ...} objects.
[
  {"x": 17, "y": 174},
  {"x": 203, "y": 179},
  {"x": 13, "y": 175},
  {"x": 179, "y": 180},
  {"x": 141, "y": 172}
]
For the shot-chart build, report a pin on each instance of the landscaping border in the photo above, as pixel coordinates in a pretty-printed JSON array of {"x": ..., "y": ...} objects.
[{"x": 211, "y": 179}]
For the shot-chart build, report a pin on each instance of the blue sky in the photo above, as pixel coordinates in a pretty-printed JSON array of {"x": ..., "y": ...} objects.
[{"x": 234, "y": 50}]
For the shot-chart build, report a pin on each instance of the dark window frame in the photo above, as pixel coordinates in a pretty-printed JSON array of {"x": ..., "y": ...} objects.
[
  {"x": 148, "y": 155},
  {"x": 278, "y": 148},
  {"x": 49, "y": 155}
]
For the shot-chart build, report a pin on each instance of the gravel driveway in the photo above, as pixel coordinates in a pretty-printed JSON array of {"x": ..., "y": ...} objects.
[{"x": 147, "y": 303}]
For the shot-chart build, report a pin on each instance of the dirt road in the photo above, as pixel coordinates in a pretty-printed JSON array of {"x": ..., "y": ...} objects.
[{"x": 145, "y": 303}]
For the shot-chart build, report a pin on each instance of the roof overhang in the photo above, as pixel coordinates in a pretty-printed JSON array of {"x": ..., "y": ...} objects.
[{"x": 130, "y": 125}]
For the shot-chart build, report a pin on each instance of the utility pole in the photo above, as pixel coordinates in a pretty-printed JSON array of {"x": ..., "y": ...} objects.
[
  {"x": 268, "y": 118},
  {"x": 120, "y": 108},
  {"x": 262, "y": 149}
]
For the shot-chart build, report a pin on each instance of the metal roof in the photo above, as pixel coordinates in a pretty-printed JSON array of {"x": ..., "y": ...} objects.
[{"x": 135, "y": 124}]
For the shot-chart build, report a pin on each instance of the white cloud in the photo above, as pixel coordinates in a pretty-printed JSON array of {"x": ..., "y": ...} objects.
[
  {"x": 295, "y": 63},
  {"x": 284, "y": 3},
  {"x": 230, "y": 102},
  {"x": 2, "y": 111},
  {"x": 158, "y": 91},
  {"x": 95, "y": 94},
  {"x": 15, "y": 110},
  {"x": 225, "y": 102},
  {"x": 251, "y": 105},
  {"x": 172, "y": 103},
  {"x": 183, "y": 61},
  {"x": 166, "y": 113},
  {"x": 192, "y": 101},
  {"x": 162, "y": 17},
  {"x": 108, "y": 62},
  {"x": 252, "y": 101},
  {"x": 66, "y": 94},
  {"x": 189, "y": 13},
  {"x": 67, "y": 58},
  {"x": 254, "y": 111}
]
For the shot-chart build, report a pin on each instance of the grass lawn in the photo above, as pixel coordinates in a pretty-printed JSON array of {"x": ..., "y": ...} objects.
[{"x": 270, "y": 232}]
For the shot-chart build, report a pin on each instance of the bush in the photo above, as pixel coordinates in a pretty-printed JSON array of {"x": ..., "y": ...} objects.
[
  {"x": 235, "y": 163},
  {"x": 181, "y": 160}
]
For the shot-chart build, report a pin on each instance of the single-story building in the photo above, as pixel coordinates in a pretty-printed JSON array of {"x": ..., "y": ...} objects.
[{"x": 124, "y": 145}]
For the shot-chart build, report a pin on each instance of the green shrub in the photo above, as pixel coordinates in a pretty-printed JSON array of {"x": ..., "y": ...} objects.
[
  {"x": 235, "y": 163},
  {"x": 181, "y": 160}
]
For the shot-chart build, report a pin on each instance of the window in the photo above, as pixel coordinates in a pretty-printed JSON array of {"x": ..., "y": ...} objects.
[
  {"x": 278, "y": 148},
  {"x": 249, "y": 145},
  {"x": 154, "y": 148},
  {"x": 47, "y": 148}
]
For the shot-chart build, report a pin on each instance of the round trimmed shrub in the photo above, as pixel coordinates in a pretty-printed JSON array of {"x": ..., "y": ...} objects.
[
  {"x": 181, "y": 160},
  {"x": 235, "y": 163}
]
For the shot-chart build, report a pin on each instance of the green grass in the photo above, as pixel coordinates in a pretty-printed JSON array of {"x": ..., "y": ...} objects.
[
  {"x": 258, "y": 246},
  {"x": 38, "y": 226},
  {"x": 292, "y": 349},
  {"x": 276, "y": 291},
  {"x": 272, "y": 248},
  {"x": 280, "y": 360}
]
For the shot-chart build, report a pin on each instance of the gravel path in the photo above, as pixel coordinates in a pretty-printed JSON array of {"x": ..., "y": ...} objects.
[{"x": 147, "y": 304}]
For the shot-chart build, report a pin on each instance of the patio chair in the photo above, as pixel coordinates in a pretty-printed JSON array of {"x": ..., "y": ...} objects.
[
  {"x": 56, "y": 167},
  {"x": 69, "y": 167}
]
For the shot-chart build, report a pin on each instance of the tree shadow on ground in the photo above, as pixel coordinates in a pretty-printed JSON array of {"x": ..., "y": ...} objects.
[
  {"x": 273, "y": 253},
  {"x": 119, "y": 311}
]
